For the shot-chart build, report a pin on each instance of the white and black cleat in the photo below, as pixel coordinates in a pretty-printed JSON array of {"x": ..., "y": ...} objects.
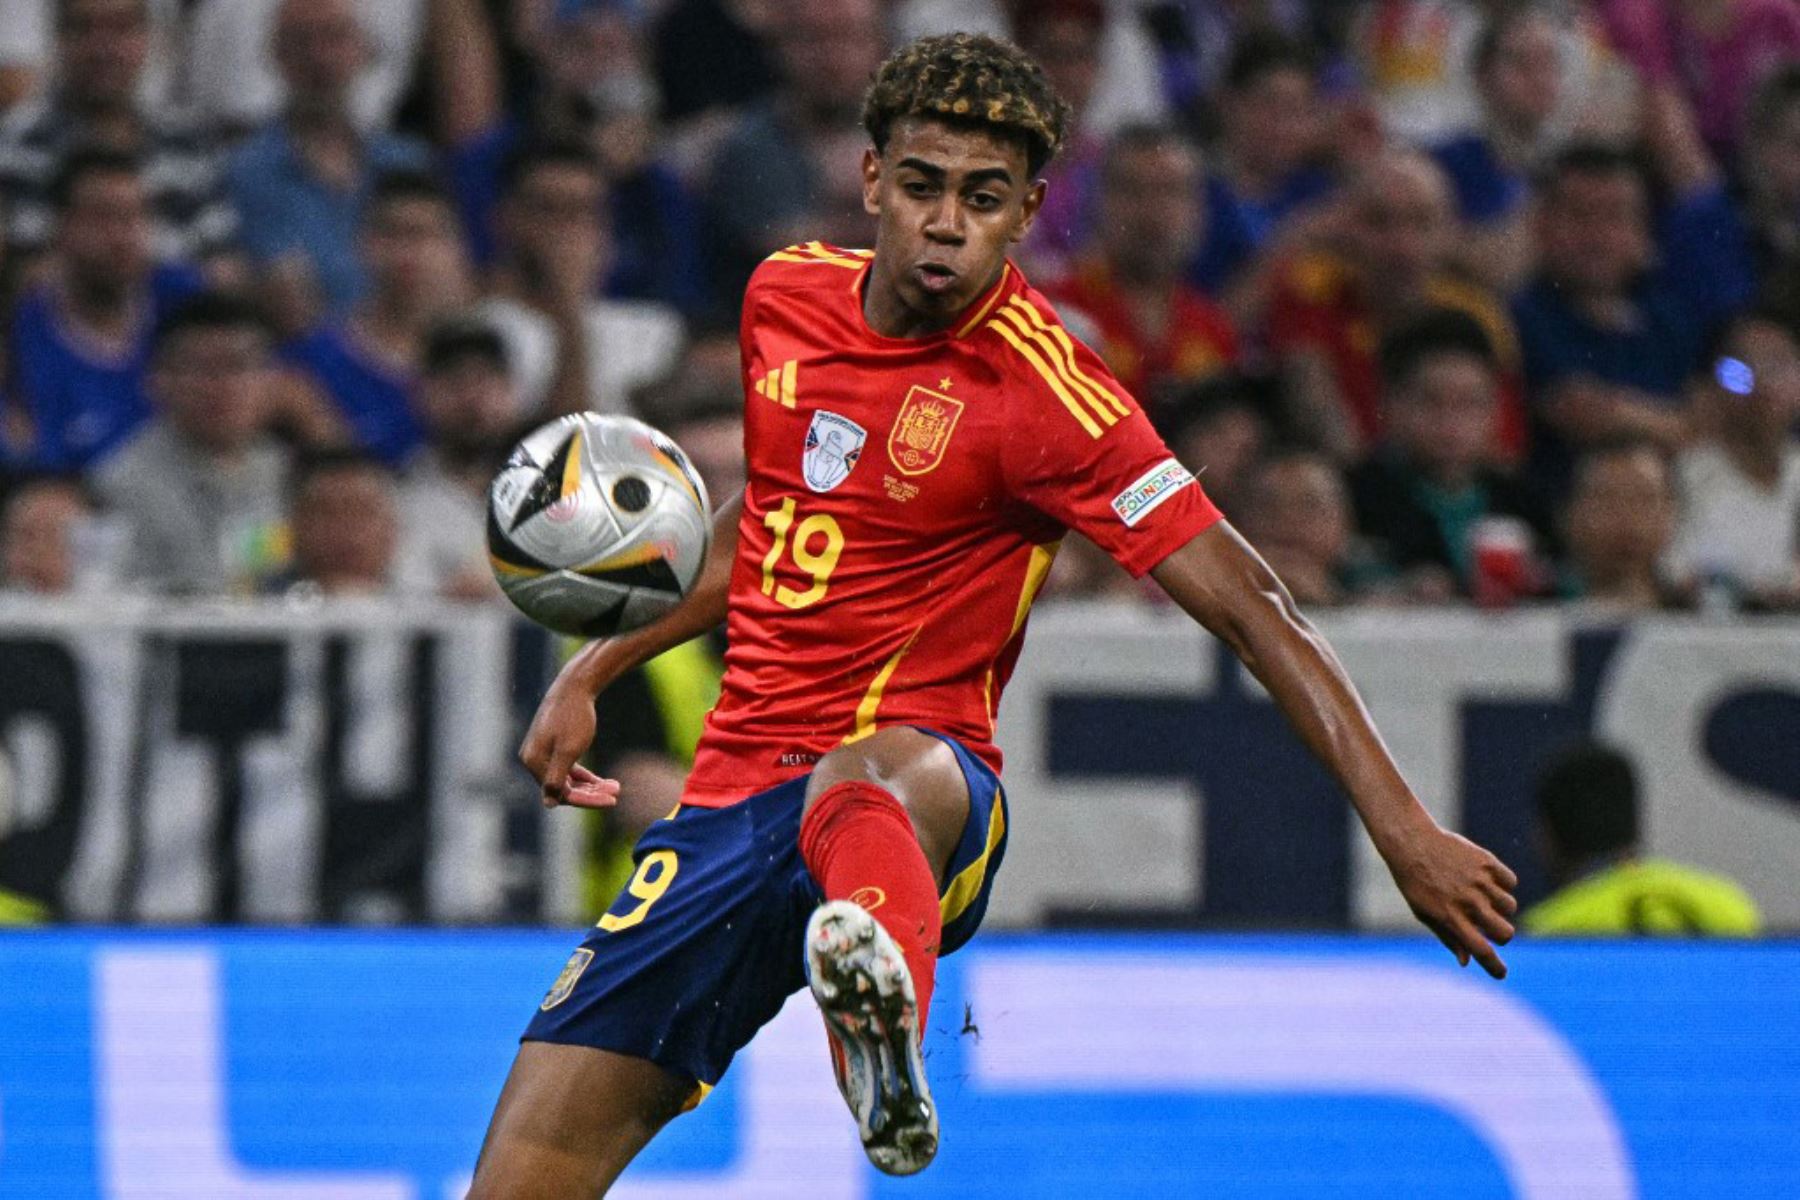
[{"x": 863, "y": 986}]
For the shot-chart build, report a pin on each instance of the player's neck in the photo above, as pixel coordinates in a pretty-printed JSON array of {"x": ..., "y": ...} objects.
[{"x": 887, "y": 313}]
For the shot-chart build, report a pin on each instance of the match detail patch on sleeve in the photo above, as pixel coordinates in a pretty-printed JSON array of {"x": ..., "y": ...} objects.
[{"x": 1156, "y": 485}]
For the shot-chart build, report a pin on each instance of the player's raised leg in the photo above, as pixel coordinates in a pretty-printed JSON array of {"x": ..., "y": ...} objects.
[
  {"x": 570, "y": 1119},
  {"x": 883, "y": 817}
]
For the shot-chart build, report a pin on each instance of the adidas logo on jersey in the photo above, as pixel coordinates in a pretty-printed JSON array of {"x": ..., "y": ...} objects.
[{"x": 781, "y": 384}]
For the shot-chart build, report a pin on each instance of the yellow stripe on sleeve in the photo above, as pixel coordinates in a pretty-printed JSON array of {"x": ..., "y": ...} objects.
[
  {"x": 1067, "y": 358},
  {"x": 1075, "y": 407},
  {"x": 1048, "y": 349}
]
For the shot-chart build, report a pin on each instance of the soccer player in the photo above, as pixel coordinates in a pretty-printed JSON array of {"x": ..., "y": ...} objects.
[{"x": 843, "y": 820}]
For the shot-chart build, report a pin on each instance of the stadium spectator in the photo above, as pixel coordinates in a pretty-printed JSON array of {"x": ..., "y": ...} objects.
[
  {"x": 1151, "y": 327},
  {"x": 1520, "y": 71},
  {"x": 469, "y": 413},
  {"x": 1194, "y": 41},
  {"x": 1266, "y": 188},
  {"x": 1591, "y": 837},
  {"x": 714, "y": 55},
  {"x": 344, "y": 523},
  {"x": 201, "y": 488},
  {"x": 701, "y": 406},
  {"x": 1219, "y": 429},
  {"x": 1714, "y": 52},
  {"x": 1418, "y": 59},
  {"x": 299, "y": 183},
  {"x": 79, "y": 341},
  {"x": 368, "y": 365},
  {"x": 593, "y": 89},
  {"x": 1296, "y": 512},
  {"x": 38, "y": 551},
  {"x": 791, "y": 169},
  {"x": 101, "y": 51},
  {"x": 230, "y": 78},
  {"x": 1331, "y": 309},
  {"x": 1411, "y": 56},
  {"x": 569, "y": 350},
  {"x": 1618, "y": 526},
  {"x": 24, "y": 50},
  {"x": 1608, "y": 345},
  {"x": 1061, "y": 36},
  {"x": 1431, "y": 490},
  {"x": 1769, "y": 173},
  {"x": 1740, "y": 485}
]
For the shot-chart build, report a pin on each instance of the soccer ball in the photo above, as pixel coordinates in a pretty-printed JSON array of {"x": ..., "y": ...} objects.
[{"x": 597, "y": 525}]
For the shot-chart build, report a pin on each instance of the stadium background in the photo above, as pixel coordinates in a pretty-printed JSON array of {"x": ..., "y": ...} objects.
[{"x": 229, "y": 703}]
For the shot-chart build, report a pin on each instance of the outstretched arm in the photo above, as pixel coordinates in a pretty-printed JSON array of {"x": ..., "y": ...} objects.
[
  {"x": 564, "y": 726},
  {"x": 1462, "y": 893}
]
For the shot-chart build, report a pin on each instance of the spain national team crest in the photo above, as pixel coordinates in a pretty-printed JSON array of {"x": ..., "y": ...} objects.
[
  {"x": 833, "y": 444},
  {"x": 922, "y": 430}
]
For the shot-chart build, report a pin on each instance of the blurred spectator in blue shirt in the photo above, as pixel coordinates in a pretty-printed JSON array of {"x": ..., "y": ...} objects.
[
  {"x": 1264, "y": 194},
  {"x": 300, "y": 183},
  {"x": 1611, "y": 335},
  {"x": 368, "y": 364},
  {"x": 593, "y": 86},
  {"x": 79, "y": 341},
  {"x": 1061, "y": 36},
  {"x": 102, "y": 47}
]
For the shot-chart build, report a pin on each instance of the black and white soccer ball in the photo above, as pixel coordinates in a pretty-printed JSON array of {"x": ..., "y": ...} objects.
[{"x": 597, "y": 525}]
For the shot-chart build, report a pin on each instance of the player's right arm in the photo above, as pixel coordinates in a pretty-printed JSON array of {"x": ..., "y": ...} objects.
[{"x": 563, "y": 728}]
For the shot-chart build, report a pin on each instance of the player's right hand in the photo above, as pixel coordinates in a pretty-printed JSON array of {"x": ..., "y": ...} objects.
[
  {"x": 560, "y": 734},
  {"x": 1460, "y": 892}
]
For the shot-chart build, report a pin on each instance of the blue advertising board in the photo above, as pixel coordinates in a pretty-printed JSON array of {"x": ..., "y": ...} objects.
[{"x": 255, "y": 1065}]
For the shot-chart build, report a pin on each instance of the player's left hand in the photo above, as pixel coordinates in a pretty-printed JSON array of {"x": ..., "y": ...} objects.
[
  {"x": 1460, "y": 892},
  {"x": 585, "y": 789}
]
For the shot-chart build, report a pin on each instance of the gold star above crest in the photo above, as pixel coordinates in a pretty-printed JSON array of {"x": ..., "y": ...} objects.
[{"x": 946, "y": 383}]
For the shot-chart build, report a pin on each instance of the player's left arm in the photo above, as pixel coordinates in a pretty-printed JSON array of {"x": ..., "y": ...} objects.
[{"x": 1461, "y": 892}]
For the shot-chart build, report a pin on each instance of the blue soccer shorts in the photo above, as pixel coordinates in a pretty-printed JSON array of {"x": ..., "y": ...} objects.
[{"x": 705, "y": 943}]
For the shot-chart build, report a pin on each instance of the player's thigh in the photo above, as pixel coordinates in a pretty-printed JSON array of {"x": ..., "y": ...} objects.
[
  {"x": 570, "y": 1118},
  {"x": 921, "y": 772}
]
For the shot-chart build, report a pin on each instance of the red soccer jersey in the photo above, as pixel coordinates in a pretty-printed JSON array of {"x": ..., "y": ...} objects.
[{"x": 905, "y": 499}]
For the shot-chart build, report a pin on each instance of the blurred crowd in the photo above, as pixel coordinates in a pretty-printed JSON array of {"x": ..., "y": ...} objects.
[{"x": 1449, "y": 301}]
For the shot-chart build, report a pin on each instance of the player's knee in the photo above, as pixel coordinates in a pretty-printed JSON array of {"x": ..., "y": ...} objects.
[{"x": 918, "y": 770}]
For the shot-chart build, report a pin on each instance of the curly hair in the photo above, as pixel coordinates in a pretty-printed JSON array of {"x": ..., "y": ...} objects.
[{"x": 969, "y": 80}]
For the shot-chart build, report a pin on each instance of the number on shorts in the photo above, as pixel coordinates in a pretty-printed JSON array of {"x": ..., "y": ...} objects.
[{"x": 653, "y": 877}]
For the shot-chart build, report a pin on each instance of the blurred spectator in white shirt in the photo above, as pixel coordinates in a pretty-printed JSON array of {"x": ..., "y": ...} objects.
[
  {"x": 471, "y": 416},
  {"x": 201, "y": 488},
  {"x": 1740, "y": 485},
  {"x": 96, "y": 101}
]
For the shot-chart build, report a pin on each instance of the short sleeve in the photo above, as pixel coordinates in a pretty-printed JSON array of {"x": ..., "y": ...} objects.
[{"x": 1080, "y": 451}]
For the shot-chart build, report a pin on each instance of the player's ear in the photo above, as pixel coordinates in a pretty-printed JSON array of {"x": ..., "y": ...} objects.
[
  {"x": 871, "y": 180},
  {"x": 1028, "y": 209}
]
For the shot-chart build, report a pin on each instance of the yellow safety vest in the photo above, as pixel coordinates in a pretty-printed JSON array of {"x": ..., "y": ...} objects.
[
  {"x": 684, "y": 685},
  {"x": 1648, "y": 896}
]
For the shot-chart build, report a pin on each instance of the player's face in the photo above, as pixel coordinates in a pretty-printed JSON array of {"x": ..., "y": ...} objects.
[{"x": 949, "y": 203}]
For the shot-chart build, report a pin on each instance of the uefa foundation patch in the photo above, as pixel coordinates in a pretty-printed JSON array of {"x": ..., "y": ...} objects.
[
  {"x": 1158, "y": 484},
  {"x": 565, "y": 982}
]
